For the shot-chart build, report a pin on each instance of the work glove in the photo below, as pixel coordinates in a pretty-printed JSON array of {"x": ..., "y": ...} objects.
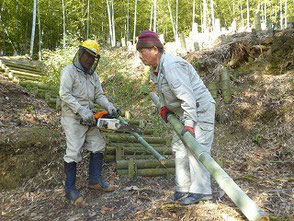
[
  {"x": 113, "y": 111},
  {"x": 86, "y": 115},
  {"x": 189, "y": 127},
  {"x": 164, "y": 112}
]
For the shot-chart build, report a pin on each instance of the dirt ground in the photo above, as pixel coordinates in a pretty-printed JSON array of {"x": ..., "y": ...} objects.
[{"x": 253, "y": 143}]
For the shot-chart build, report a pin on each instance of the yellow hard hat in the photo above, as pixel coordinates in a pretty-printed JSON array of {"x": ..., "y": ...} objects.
[{"x": 91, "y": 46}]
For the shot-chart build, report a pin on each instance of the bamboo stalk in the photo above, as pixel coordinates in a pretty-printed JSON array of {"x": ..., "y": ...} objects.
[
  {"x": 39, "y": 85},
  {"x": 132, "y": 169},
  {"x": 21, "y": 73},
  {"x": 16, "y": 63},
  {"x": 22, "y": 77},
  {"x": 141, "y": 164},
  {"x": 225, "y": 86},
  {"x": 138, "y": 149},
  {"x": 25, "y": 70},
  {"x": 213, "y": 89},
  {"x": 128, "y": 138},
  {"x": 149, "y": 172},
  {"x": 246, "y": 205}
]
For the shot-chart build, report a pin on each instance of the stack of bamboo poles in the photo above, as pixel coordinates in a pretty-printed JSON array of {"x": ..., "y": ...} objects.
[
  {"x": 29, "y": 76},
  {"x": 132, "y": 158},
  {"x": 19, "y": 70}
]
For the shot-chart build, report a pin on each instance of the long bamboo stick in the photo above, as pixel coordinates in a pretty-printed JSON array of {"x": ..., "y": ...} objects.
[
  {"x": 149, "y": 172},
  {"x": 246, "y": 205},
  {"x": 127, "y": 138},
  {"x": 139, "y": 150},
  {"x": 141, "y": 164},
  {"x": 148, "y": 147}
]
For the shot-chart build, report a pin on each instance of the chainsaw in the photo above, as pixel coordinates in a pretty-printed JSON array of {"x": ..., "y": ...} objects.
[{"x": 104, "y": 120}]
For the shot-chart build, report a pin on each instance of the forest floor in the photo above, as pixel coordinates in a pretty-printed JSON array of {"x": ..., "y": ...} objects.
[{"x": 253, "y": 143}]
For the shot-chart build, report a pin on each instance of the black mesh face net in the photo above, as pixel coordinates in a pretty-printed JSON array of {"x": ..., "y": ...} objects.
[{"x": 87, "y": 60}]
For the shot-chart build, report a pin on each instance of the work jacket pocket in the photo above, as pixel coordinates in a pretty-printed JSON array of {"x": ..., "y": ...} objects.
[
  {"x": 206, "y": 125},
  {"x": 206, "y": 114}
]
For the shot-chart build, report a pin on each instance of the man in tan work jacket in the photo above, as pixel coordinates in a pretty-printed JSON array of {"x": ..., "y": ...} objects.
[
  {"x": 80, "y": 89},
  {"x": 182, "y": 92}
]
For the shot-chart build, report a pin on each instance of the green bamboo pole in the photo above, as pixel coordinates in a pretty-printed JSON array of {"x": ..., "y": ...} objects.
[
  {"x": 225, "y": 86},
  {"x": 160, "y": 158},
  {"x": 138, "y": 149},
  {"x": 143, "y": 164},
  {"x": 126, "y": 138},
  {"x": 148, "y": 172},
  {"x": 213, "y": 89},
  {"x": 246, "y": 205}
]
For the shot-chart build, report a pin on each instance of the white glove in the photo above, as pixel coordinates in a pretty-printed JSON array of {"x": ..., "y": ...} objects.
[
  {"x": 111, "y": 110},
  {"x": 86, "y": 115}
]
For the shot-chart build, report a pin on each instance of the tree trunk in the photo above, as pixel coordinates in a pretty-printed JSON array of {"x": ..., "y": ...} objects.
[
  {"x": 193, "y": 13},
  {"x": 265, "y": 14},
  {"x": 113, "y": 25},
  {"x": 63, "y": 22},
  {"x": 247, "y": 3},
  {"x": 204, "y": 16},
  {"x": 128, "y": 22},
  {"x": 172, "y": 20},
  {"x": 241, "y": 12},
  {"x": 212, "y": 13},
  {"x": 177, "y": 17},
  {"x": 33, "y": 28},
  {"x": 155, "y": 16},
  {"x": 109, "y": 22},
  {"x": 151, "y": 17},
  {"x": 135, "y": 22},
  {"x": 281, "y": 14},
  {"x": 88, "y": 19},
  {"x": 40, "y": 34},
  {"x": 286, "y": 6}
]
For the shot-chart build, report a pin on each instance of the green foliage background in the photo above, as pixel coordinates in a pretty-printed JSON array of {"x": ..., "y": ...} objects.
[{"x": 16, "y": 19}]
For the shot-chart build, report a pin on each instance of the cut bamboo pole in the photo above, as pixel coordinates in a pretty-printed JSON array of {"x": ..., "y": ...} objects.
[
  {"x": 213, "y": 89},
  {"x": 138, "y": 149},
  {"x": 25, "y": 74},
  {"x": 128, "y": 138},
  {"x": 132, "y": 169},
  {"x": 141, "y": 164},
  {"x": 225, "y": 86},
  {"x": 246, "y": 205},
  {"x": 20, "y": 64},
  {"x": 149, "y": 172}
]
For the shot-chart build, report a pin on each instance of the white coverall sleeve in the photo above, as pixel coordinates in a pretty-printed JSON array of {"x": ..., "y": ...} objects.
[
  {"x": 100, "y": 97},
  {"x": 66, "y": 85},
  {"x": 178, "y": 79}
]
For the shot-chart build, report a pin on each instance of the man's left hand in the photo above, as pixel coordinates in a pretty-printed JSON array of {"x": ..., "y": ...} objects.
[
  {"x": 113, "y": 111},
  {"x": 189, "y": 126}
]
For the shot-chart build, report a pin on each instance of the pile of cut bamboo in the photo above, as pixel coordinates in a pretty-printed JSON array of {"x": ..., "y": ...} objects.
[
  {"x": 132, "y": 158},
  {"x": 29, "y": 76}
]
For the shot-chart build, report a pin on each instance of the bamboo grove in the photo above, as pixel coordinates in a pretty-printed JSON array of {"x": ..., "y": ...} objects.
[{"x": 28, "y": 26}]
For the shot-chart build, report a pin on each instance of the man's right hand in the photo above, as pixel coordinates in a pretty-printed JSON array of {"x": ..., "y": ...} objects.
[
  {"x": 86, "y": 115},
  {"x": 164, "y": 111}
]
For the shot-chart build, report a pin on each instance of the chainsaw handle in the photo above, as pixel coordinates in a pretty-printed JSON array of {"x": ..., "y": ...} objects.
[{"x": 100, "y": 114}]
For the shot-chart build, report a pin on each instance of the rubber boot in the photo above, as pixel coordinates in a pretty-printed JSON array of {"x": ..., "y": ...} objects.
[
  {"x": 70, "y": 189},
  {"x": 95, "y": 173}
]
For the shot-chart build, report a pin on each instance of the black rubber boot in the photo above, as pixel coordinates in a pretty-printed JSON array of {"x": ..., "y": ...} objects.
[
  {"x": 70, "y": 189},
  {"x": 95, "y": 173},
  {"x": 178, "y": 195},
  {"x": 194, "y": 198}
]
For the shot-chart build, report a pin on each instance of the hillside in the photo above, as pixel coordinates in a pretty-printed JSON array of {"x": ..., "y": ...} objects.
[{"x": 253, "y": 139}]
